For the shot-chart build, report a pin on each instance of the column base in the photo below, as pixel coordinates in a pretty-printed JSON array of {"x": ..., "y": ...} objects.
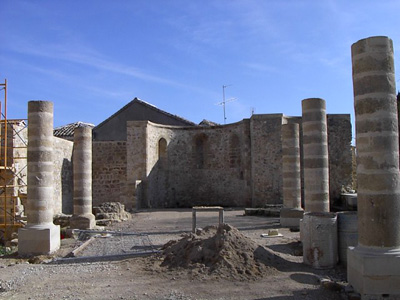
[
  {"x": 290, "y": 217},
  {"x": 374, "y": 273},
  {"x": 83, "y": 222},
  {"x": 38, "y": 239}
]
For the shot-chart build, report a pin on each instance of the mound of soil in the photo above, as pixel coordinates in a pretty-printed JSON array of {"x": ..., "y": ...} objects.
[{"x": 221, "y": 251}]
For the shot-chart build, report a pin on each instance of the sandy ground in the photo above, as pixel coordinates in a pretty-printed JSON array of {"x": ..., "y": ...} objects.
[{"x": 143, "y": 278}]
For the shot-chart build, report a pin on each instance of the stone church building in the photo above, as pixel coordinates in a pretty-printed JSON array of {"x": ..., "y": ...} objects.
[{"x": 144, "y": 157}]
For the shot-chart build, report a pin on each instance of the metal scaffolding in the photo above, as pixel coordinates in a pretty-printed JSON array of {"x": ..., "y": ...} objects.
[{"x": 13, "y": 170}]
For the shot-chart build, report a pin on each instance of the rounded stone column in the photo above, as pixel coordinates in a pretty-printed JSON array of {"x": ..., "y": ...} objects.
[
  {"x": 374, "y": 265},
  {"x": 40, "y": 236},
  {"x": 82, "y": 168},
  {"x": 315, "y": 155},
  {"x": 291, "y": 213}
]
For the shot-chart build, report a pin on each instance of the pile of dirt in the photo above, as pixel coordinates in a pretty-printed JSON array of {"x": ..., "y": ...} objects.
[{"x": 220, "y": 251}]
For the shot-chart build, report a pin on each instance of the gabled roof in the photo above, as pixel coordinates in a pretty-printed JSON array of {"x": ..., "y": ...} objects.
[
  {"x": 148, "y": 105},
  {"x": 208, "y": 123},
  {"x": 68, "y": 130}
]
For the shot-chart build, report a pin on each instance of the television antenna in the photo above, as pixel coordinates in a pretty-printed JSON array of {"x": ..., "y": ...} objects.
[{"x": 223, "y": 103}]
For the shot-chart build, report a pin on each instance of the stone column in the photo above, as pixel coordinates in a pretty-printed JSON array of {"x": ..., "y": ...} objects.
[
  {"x": 82, "y": 166},
  {"x": 315, "y": 156},
  {"x": 40, "y": 236},
  {"x": 291, "y": 213},
  {"x": 374, "y": 265}
]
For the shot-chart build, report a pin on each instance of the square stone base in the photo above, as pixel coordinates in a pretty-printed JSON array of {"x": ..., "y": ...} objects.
[
  {"x": 38, "y": 239},
  {"x": 83, "y": 222},
  {"x": 290, "y": 217},
  {"x": 375, "y": 274}
]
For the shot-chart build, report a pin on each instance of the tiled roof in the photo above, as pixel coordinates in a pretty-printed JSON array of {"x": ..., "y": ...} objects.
[{"x": 68, "y": 130}]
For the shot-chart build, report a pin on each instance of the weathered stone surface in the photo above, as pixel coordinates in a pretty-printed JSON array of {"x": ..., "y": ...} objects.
[
  {"x": 62, "y": 170},
  {"x": 373, "y": 266},
  {"x": 315, "y": 162},
  {"x": 109, "y": 172},
  {"x": 291, "y": 160},
  {"x": 111, "y": 211},
  {"x": 40, "y": 236}
]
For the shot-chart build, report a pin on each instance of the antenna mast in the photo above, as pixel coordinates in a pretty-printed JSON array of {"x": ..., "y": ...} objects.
[{"x": 223, "y": 103}]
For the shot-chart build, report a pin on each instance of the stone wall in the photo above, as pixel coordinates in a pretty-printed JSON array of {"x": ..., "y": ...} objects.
[
  {"x": 189, "y": 166},
  {"x": 340, "y": 154},
  {"x": 109, "y": 172},
  {"x": 232, "y": 165},
  {"x": 266, "y": 158},
  {"x": 63, "y": 180}
]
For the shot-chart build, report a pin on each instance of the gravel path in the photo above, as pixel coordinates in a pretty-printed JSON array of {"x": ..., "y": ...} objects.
[{"x": 143, "y": 278}]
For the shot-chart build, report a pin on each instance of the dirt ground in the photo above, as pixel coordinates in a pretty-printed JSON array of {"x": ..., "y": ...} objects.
[{"x": 144, "y": 277}]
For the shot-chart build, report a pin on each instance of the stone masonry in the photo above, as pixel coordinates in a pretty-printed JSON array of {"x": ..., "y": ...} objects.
[
  {"x": 316, "y": 161},
  {"x": 40, "y": 236},
  {"x": 109, "y": 172},
  {"x": 237, "y": 164},
  {"x": 82, "y": 162},
  {"x": 374, "y": 265},
  {"x": 291, "y": 213}
]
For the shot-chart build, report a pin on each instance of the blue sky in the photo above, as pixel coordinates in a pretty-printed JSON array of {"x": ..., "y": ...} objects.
[{"x": 92, "y": 57}]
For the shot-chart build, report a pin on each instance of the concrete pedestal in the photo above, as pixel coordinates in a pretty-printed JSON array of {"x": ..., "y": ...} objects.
[
  {"x": 319, "y": 238},
  {"x": 39, "y": 239},
  {"x": 375, "y": 274},
  {"x": 290, "y": 217}
]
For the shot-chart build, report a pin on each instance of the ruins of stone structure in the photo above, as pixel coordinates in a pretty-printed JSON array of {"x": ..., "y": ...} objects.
[
  {"x": 237, "y": 164},
  {"x": 374, "y": 264}
]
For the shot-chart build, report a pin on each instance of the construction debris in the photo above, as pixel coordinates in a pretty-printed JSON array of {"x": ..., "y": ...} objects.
[{"x": 221, "y": 251}]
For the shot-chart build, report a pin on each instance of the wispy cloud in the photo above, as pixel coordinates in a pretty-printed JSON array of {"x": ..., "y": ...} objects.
[{"x": 83, "y": 55}]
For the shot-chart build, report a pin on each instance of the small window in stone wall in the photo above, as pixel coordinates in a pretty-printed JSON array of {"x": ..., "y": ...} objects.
[
  {"x": 199, "y": 151},
  {"x": 162, "y": 152},
  {"x": 234, "y": 152},
  {"x": 162, "y": 148}
]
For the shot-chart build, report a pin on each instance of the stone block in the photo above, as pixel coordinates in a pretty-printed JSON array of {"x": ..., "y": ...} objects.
[
  {"x": 38, "y": 239},
  {"x": 375, "y": 274},
  {"x": 86, "y": 221},
  {"x": 290, "y": 217}
]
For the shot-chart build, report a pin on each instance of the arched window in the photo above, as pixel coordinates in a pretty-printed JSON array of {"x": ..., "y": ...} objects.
[
  {"x": 162, "y": 148},
  {"x": 162, "y": 153},
  {"x": 199, "y": 151}
]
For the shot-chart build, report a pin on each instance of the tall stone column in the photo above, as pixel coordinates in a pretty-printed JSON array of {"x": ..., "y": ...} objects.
[
  {"x": 40, "y": 236},
  {"x": 315, "y": 155},
  {"x": 291, "y": 213},
  {"x": 82, "y": 166},
  {"x": 374, "y": 265}
]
